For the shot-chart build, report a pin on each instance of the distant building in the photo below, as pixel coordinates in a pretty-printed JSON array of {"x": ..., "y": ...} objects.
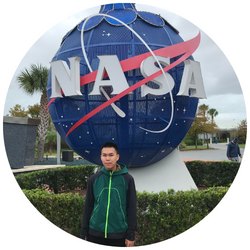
[{"x": 227, "y": 129}]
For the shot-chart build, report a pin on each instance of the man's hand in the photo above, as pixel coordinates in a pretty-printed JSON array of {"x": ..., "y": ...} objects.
[{"x": 129, "y": 243}]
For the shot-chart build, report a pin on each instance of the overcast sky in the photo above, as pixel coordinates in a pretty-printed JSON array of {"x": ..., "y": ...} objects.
[{"x": 222, "y": 87}]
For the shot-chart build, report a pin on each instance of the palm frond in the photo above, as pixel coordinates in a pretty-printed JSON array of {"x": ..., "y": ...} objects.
[{"x": 33, "y": 79}]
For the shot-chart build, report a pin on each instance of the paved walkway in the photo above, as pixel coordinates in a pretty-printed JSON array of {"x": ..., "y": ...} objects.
[
  {"x": 219, "y": 153},
  {"x": 51, "y": 162},
  {"x": 31, "y": 168}
]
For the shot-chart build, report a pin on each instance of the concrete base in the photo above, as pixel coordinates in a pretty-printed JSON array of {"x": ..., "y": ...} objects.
[{"x": 169, "y": 173}]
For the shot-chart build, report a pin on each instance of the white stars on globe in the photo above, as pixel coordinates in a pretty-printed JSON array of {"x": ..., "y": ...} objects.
[
  {"x": 88, "y": 136},
  {"x": 108, "y": 34},
  {"x": 184, "y": 110}
]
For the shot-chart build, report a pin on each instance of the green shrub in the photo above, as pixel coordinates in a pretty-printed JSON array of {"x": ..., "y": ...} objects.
[
  {"x": 165, "y": 215},
  {"x": 189, "y": 140},
  {"x": 57, "y": 179},
  {"x": 160, "y": 216},
  {"x": 63, "y": 210},
  {"x": 213, "y": 173},
  {"x": 182, "y": 145}
]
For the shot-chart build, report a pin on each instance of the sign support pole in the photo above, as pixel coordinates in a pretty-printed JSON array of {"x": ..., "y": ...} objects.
[{"x": 58, "y": 142}]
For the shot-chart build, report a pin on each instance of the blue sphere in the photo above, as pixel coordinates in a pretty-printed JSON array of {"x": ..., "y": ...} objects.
[{"x": 106, "y": 36}]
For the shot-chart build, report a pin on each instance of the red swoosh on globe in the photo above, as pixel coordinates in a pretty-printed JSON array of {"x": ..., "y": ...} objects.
[{"x": 186, "y": 48}]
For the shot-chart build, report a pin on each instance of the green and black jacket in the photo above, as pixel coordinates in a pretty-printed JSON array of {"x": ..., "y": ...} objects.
[{"x": 110, "y": 205}]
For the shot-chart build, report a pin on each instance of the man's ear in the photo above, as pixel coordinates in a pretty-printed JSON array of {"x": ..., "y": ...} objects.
[{"x": 118, "y": 157}]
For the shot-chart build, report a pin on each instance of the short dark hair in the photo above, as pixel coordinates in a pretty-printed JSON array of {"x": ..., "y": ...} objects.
[{"x": 110, "y": 145}]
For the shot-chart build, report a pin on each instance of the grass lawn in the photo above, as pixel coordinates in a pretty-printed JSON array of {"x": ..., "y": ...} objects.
[
  {"x": 205, "y": 147},
  {"x": 193, "y": 147}
]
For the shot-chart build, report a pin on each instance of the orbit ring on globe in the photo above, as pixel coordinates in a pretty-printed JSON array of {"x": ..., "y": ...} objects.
[{"x": 118, "y": 111}]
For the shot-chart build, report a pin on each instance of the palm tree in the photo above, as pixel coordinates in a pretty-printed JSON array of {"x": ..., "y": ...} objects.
[
  {"x": 203, "y": 108},
  {"x": 35, "y": 80},
  {"x": 212, "y": 112}
]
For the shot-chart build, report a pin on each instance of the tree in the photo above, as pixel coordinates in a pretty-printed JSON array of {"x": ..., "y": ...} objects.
[
  {"x": 210, "y": 128},
  {"x": 18, "y": 111},
  {"x": 242, "y": 131},
  {"x": 35, "y": 80},
  {"x": 212, "y": 112},
  {"x": 197, "y": 126},
  {"x": 203, "y": 109},
  {"x": 51, "y": 140},
  {"x": 33, "y": 111},
  {"x": 202, "y": 124}
]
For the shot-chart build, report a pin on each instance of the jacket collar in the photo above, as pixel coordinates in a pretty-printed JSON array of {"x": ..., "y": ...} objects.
[{"x": 121, "y": 169}]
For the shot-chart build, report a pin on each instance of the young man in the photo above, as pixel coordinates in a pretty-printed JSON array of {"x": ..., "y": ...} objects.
[
  {"x": 109, "y": 216},
  {"x": 233, "y": 150}
]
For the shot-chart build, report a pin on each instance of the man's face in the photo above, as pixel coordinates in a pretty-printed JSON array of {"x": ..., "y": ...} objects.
[{"x": 109, "y": 157}]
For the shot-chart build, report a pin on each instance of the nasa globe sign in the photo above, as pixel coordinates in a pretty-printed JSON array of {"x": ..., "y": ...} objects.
[{"x": 124, "y": 76}]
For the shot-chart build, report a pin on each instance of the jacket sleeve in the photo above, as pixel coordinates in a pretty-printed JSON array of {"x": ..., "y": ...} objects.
[
  {"x": 131, "y": 210},
  {"x": 87, "y": 211},
  {"x": 228, "y": 150},
  {"x": 239, "y": 150}
]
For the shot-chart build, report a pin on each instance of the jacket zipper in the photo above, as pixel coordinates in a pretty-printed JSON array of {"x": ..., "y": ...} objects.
[{"x": 107, "y": 215}]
